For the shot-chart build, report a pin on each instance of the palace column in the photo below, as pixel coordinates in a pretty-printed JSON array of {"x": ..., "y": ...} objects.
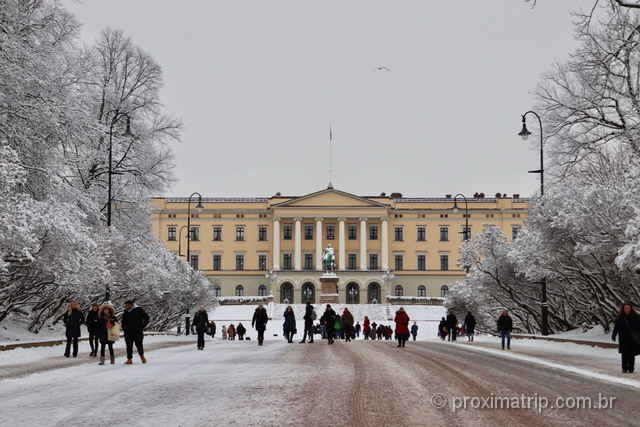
[
  {"x": 297, "y": 254},
  {"x": 318, "y": 243},
  {"x": 385, "y": 243},
  {"x": 363, "y": 243},
  {"x": 276, "y": 244},
  {"x": 342, "y": 257}
]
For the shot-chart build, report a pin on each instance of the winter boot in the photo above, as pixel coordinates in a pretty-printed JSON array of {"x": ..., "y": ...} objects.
[
  {"x": 144, "y": 359},
  {"x": 129, "y": 362},
  {"x": 101, "y": 360},
  {"x": 113, "y": 360}
]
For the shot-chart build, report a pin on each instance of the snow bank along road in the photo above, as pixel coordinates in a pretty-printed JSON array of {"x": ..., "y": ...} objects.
[{"x": 362, "y": 383}]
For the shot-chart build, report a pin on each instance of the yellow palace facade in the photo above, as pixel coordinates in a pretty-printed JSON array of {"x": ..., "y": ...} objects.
[{"x": 387, "y": 248}]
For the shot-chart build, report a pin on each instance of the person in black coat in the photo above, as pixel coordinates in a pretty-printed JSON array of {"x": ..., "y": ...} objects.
[
  {"x": 212, "y": 328},
  {"x": 627, "y": 328},
  {"x": 289, "y": 324},
  {"x": 443, "y": 329},
  {"x": 309, "y": 317},
  {"x": 72, "y": 320},
  {"x": 357, "y": 329},
  {"x": 470, "y": 325},
  {"x": 200, "y": 324},
  {"x": 241, "y": 330},
  {"x": 414, "y": 330},
  {"x": 505, "y": 326},
  {"x": 452, "y": 323},
  {"x": 329, "y": 320},
  {"x": 92, "y": 327},
  {"x": 259, "y": 322},
  {"x": 134, "y": 320}
]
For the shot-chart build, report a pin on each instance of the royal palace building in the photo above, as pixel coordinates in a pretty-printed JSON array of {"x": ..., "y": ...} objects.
[{"x": 386, "y": 247}]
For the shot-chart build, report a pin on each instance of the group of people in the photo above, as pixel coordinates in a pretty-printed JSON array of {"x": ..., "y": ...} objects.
[
  {"x": 104, "y": 328},
  {"x": 450, "y": 328}
]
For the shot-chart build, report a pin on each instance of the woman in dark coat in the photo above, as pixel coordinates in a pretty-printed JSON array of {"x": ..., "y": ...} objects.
[
  {"x": 627, "y": 329},
  {"x": 259, "y": 322},
  {"x": 72, "y": 320},
  {"x": 402, "y": 327},
  {"x": 241, "y": 330},
  {"x": 92, "y": 327},
  {"x": 329, "y": 320},
  {"x": 443, "y": 330},
  {"x": 201, "y": 325},
  {"x": 106, "y": 322},
  {"x": 470, "y": 325},
  {"x": 289, "y": 325}
]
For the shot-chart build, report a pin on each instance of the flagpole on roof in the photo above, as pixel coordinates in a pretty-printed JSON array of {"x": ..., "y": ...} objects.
[{"x": 330, "y": 158}]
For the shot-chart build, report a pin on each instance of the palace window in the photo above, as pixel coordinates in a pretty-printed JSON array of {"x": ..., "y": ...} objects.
[
  {"x": 194, "y": 261},
  {"x": 398, "y": 262},
  {"x": 422, "y": 262},
  {"x": 515, "y": 230},
  {"x": 373, "y": 261},
  {"x": 444, "y": 262},
  {"x": 262, "y": 234},
  {"x": 286, "y": 232},
  {"x": 262, "y": 262},
  {"x": 444, "y": 291},
  {"x": 217, "y": 262},
  {"x": 422, "y": 291},
  {"x": 239, "y": 291},
  {"x": 171, "y": 233},
  {"x": 286, "y": 262},
  {"x": 308, "y": 232},
  {"x": 239, "y": 262},
  {"x": 239, "y": 234},
  {"x": 398, "y": 234},
  {"x": 195, "y": 233},
  {"x": 353, "y": 264},
  {"x": 466, "y": 232},
  {"x": 308, "y": 261},
  {"x": 373, "y": 232},
  {"x": 399, "y": 291},
  {"x": 262, "y": 291},
  {"x": 217, "y": 233},
  {"x": 331, "y": 232},
  {"x": 422, "y": 234},
  {"x": 352, "y": 232},
  {"x": 444, "y": 234}
]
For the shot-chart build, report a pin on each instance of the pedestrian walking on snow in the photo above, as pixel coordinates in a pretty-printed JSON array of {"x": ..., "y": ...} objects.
[
  {"x": 329, "y": 320},
  {"x": 289, "y": 325},
  {"x": 414, "y": 330},
  {"x": 241, "y": 330},
  {"x": 134, "y": 320},
  {"x": 358, "y": 328},
  {"x": 224, "y": 332},
  {"x": 505, "y": 326},
  {"x": 231, "y": 332},
  {"x": 108, "y": 331},
  {"x": 443, "y": 330},
  {"x": 346, "y": 324},
  {"x": 92, "y": 327},
  {"x": 309, "y": 317},
  {"x": 470, "y": 325},
  {"x": 402, "y": 327},
  {"x": 627, "y": 328},
  {"x": 72, "y": 320},
  {"x": 452, "y": 325},
  {"x": 366, "y": 328},
  {"x": 259, "y": 322},
  {"x": 212, "y": 329},
  {"x": 201, "y": 325}
]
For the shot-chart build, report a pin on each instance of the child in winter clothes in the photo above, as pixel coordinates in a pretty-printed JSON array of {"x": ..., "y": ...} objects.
[{"x": 106, "y": 331}]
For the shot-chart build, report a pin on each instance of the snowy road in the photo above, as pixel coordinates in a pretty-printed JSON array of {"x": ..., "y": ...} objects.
[{"x": 356, "y": 384}]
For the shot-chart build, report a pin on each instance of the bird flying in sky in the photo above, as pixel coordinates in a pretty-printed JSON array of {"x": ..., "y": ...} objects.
[{"x": 380, "y": 69}]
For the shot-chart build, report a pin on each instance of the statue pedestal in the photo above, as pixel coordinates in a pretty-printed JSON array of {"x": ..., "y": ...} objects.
[{"x": 329, "y": 294}]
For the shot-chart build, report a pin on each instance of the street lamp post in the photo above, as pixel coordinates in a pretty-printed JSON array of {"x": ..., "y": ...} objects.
[
  {"x": 524, "y": 133},
  {"x": 180, "y": 239},
  {"x": 199, "y": 207},
  {"x": 271, "y": 275},
  {"x": 128, "y": 135},
  {"x": 387, "y": 277},
  {"x": 455, "y": 209}
]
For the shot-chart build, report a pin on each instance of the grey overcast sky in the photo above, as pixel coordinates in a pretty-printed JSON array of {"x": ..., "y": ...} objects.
[{"x": 258, "y": 82}]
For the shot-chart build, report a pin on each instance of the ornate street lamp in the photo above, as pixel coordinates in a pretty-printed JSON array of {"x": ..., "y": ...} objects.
[
  {"x": 271, "y": 275},
  {"x": 524, "y": 133},
  {"x": 199, "y": 207},
  {"x": 455, "y": 209},
  {"x": 387, "y": 277}
]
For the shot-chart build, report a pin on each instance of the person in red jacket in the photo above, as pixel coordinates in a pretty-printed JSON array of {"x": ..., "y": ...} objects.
[
  {"x": 402, "y": 327},
  {"x": 366, "y": 328}
]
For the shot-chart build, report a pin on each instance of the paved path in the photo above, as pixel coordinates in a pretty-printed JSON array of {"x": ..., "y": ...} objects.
[{"x": 362, "y": 383}]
